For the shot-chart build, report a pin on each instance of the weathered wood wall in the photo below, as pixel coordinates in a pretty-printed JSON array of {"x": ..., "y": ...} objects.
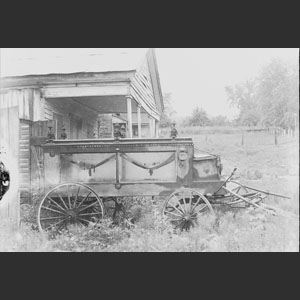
[
  {"x": 24, "y": 161},
  {"x": 9, "y": 148},
  {"x": 28, "y": 100},
  {"x": 142, "y": 90}
]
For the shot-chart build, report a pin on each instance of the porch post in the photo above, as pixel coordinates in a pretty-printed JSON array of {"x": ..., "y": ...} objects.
[
  {"x": 139, "y": 121},
  {"x": 129, "y": 115},
  {"x": 153, "y": 128},
  {"x": 156, "y": 129}
]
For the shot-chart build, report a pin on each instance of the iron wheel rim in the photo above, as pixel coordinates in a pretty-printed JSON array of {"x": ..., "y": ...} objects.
[{"x": 69, "y": 203}]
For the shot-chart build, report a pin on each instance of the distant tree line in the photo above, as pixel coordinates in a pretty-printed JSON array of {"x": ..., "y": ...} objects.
[
  {"x": 199, "y": 116},
  {"x": 269, "y": 100}
]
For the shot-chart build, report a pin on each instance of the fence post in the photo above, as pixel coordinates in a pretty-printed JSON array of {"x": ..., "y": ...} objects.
[
  {"x": 276, "y": 141},
  {"x": 242, "y": 138}
]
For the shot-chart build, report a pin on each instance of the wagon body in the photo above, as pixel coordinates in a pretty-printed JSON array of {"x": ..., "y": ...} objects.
[
  {"x": 85, "y": 180},
  {"x": 129, "y": 167}
]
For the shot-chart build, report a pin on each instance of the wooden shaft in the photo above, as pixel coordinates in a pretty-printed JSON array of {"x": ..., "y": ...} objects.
[
  {"x": 248, "y": 201},
  {"x": 257, "y": 190}
]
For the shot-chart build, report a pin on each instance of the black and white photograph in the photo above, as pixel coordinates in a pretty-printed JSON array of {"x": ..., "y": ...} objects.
[{"x": 149, "y": 150}]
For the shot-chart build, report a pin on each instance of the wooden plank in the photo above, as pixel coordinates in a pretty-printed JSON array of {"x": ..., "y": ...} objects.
[
  {"x": 147, "y": 98},
  {"x": 105, "y": 90},
  {"x": 9, "y": 142},
  {"x": 136, "y": 93},
  {"x": 140, "y": 100},
  {"x": 24, "y": 160}
]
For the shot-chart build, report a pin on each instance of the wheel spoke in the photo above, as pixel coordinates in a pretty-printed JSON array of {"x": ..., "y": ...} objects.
[
  {"x": 176, "y": 208},
  {"x": 83, "y": 220},
  {"x": 92, "y": 214},
  {"x": 184, "y": 202},
  {"x": 169, "y": 212},
  {"x": 178, "y": 200},
  {"x": 69, "y": 198},
  {"x": 55, "y": 224},
  {"x": 52, "y": 218},
  {"x": 197, "y": 212},
  {"x": 54, "y": 202},
  {"x": 62, "y": 200},
  {"x": 76, "y": 197},
  {"x": 191, "y": 200},
  {"x": 176, "y": 220},
  {"x": 86, "y": 207},
  {"x": 84, "y": 199},
  {"x": 199, "y": 198},
  {"x": 47, "y": 208}
]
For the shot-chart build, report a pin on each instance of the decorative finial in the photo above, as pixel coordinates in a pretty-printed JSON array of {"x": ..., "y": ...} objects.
[
  {"x": 174, "y": 131},
  {"x": 63, "y": 134},
  {"x": 50, "y": 136}
]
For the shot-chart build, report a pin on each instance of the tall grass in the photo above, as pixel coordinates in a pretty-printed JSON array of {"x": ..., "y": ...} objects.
[
  {"x": 260, "y": 164},
  {"x": 242, "y": 231}
]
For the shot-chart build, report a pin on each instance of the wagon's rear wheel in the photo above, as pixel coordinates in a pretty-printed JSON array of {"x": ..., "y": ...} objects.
[
  {"x": 183, "y": 207},
  {"x": 70, "y": 203}
]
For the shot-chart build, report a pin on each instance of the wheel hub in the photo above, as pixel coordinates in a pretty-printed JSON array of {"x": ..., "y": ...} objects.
[
  {"x": 187, "y": 217},
  {"x": 71, "y": 215}
]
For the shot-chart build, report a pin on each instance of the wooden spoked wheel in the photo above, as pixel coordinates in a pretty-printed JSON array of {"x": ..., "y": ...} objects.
[
  {"x": 184, "y": 206},
  {"x": 70, "y": 203}
]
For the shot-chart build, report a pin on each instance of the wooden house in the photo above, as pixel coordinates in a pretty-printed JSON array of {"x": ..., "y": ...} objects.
[{"x": 83, "y": 98}]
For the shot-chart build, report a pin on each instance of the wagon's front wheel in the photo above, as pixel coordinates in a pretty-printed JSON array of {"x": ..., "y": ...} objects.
[
  {"x": 183, "y": 207},
  {"x": 70, "y": 203}
]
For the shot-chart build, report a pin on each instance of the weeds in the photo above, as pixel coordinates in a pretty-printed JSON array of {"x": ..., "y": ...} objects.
[{"x": 144, "y": 229}]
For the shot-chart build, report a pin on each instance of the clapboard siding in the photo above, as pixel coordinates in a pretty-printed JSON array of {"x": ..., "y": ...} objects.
[
  {"x": 28, "y": 100},
  {"x": 142, "y": 90},
  {"x": 24, "y": 162},
  {"x": 9, "y": 141}
]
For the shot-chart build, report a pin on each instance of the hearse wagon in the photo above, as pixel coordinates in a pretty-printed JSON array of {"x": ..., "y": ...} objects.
[{"x": 88, "y": 142}]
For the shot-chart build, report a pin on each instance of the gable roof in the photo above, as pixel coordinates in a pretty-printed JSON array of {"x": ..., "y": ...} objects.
[
  {"x": 45, "y": 61},
  {"x": 17, "y": 64}
]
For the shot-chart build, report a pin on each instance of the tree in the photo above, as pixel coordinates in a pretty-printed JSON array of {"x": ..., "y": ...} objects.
[
  {"x": 167, "y": 117},
  {"x": 199, "y": 118},
  {"x": 278, "y": 93},
  {"x": 219, "y": 121},
  {"x": 271, "y": 99},
  {"x": 243, "y": 96}
]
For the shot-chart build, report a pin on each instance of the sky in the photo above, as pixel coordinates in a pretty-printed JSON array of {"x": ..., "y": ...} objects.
[
  {"x": 194, "y": 77},
  {"x": 197, "y": 77}
]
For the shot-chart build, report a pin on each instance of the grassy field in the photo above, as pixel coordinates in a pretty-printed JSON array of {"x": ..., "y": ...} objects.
[{"x": 260, "y": 163}]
